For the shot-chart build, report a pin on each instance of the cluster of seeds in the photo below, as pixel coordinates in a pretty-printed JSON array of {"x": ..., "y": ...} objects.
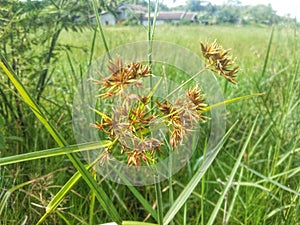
[{"x": 128, "y": 124}]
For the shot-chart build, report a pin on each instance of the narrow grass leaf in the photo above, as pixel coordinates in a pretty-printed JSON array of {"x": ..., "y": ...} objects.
[
  {"x": 59, "y": 197},
  {"x": 185, "y": 194},
  {"x": 279, "y": 210},
  {"x": 267, "y": 179},
  {"x": 160, "y": 207},
  {"x": 230, "y": 179},
  {"x": 208, "y": 108},
  {"x": 137, "y": 223},
  {"x": 228, "y": 214},
  {"x": 137, "y": 194},
  {"x": 268, "y": 54},
  {"x": 95, "y": 8},
  {"x": 53, "y": 152}
]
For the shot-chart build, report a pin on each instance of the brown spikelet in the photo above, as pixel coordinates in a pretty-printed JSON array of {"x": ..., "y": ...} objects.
[
  {"x": 121, "y": 76},
  {"x": 220, "y": 61}
]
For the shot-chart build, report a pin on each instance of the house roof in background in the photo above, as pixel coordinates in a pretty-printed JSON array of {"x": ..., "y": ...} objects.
[
  {"x": 175, "y": 15},
  {"x": 133, "y": 7}
]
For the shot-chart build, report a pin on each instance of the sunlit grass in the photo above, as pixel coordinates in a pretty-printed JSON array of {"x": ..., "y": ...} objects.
[{"x": 264, "y": 190}]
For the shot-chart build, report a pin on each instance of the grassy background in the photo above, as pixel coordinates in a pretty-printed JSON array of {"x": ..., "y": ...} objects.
[{"x": 268, "y": 191}]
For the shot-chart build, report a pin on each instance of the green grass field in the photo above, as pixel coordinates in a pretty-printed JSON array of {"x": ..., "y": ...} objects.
[{"x": 259, "y": 186}]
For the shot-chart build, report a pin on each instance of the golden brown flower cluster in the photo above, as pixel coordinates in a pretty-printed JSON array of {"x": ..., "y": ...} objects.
[
  {"x": 128, "y": 123},
  {"x": 183, "y": 115},
  {"x": 121, "y": 76},
  {"x": 220, "y": 61}
]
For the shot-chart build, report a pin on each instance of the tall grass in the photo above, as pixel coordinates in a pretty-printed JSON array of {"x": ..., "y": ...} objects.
[{"x": 254, "y": 179}]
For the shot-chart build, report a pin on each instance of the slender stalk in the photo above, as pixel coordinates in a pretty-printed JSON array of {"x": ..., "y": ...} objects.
[
  {"x": 268, "y": 54},
  {"x": 92, "y": 203},
  {"x": 149, "y": 36},
  {"x": 150, "y": 45},
  {"x": 100, "y": 28},
  {"x": 93, "y": 47},
  {"x": 203, "y": 190},
  {"x": 154, "y": 21},
  {"x": 159, "y": 201},
  {"x": 184, "y": 214},
  {"x": 171, "y": 194}
]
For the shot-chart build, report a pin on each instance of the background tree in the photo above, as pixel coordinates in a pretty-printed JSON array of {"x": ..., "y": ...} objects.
[
  {"x": 29, "y": 36},
  {"x": 194, "y": 5},
  {"x": 262, "y": 14}
]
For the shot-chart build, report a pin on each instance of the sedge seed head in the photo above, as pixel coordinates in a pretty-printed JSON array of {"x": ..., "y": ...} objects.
[{"x": 220, "y": 61}]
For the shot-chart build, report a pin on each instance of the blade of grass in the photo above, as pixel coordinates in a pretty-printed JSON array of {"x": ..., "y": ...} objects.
[
  {"x": 160, "y": 208},
  {"x": 268, "y": 54},
  {"x": 53, "y": 152},
  {"x": 267, "y": 179},
  {"x": 92, "y": 203},
  {"x": 60, "y": 195},
  {"x": 208, "y": 108},
  {"x": 137, "y": 223},
  {"x": 95, "y": 8},
  {"x": 234, "y": 196},
  {"x": 230, "y": 179},
  {"x": 137, "y": 194},
  {"x": 185, "y": 194},
  {"x": 93, "y": 48}
]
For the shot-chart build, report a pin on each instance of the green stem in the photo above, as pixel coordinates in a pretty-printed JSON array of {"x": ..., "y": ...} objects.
[
  {"x": 92, "y": 204},
  {"x": 93, "y": 47},
  {"x": 203, "y": 190},
  {"x": 100, "y": 28},
  {"x": 159, "y": 201}
]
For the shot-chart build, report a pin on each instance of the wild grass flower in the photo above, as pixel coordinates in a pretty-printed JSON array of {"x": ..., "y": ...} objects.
[
  {"x": 129, "y": 123},
  {"x": 122, "y": 76},
  {"x": 220, "y": 61}
]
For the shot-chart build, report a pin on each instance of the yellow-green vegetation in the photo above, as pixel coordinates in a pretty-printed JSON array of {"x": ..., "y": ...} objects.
[{"x": 253, "y": 180}]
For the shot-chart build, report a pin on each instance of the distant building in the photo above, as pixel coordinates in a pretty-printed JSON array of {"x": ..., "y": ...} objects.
[
  {"x": 140, "y": 13},
  {"x": 106, "y": 18},
  {"x": 175, "y": 17},
  {"x": 130, "y": 11}
]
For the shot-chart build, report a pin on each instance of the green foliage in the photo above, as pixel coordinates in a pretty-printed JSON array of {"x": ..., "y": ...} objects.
[
  {"x": 247, "y": 14},
  {"x": 264, "y": 189}
]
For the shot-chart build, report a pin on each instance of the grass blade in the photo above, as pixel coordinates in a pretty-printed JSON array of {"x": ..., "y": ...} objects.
[
  {"x": 180, "y": 201},
  {"x": 137, "y": 194},
  {"x": 53, "y": 152},
  {"x": 159, "y": 201},
  {"x": 268, "y": 54},
  {"x": 230, "y": 179},
  {"x": 267, "y": 179},
  {"x": 95, "y": 8},
  {"x": 59, "y": 197}
]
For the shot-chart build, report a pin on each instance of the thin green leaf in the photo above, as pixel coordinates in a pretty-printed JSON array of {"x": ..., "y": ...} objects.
[
  {"x": 180, "y": 201},
  {"x": 95, "y": 8},
  {"x": 160, "y": 207},
  {"x": 268, "y": 54},
  {"x": 53, "y": 152},
  {"x": 137, "y": 223},
  {"x": 137, "y": 194},
  {"x": 267, "y": 179},
  {"x": 230, "y": 179},
  {"x": 59, "y": 197},
  {"x": 208, "y": 108}
]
